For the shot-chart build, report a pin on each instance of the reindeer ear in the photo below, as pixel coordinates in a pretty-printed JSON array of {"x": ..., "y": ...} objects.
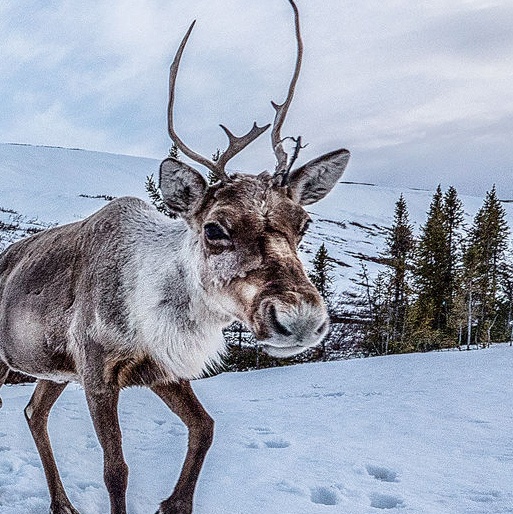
[
  {"x": 182, "y": 186},
  {"x": 315, "y": 179}
]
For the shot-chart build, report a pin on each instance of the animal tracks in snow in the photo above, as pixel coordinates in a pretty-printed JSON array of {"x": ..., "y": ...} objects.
[
  {"x": 386, "y": 501},
  {"x": 277, "y": 443},
  {"x": 265, "y": 440},
  {"x": 382, "y": 473},
  {"x": 325, "y": 495},
  {"x": 336, "y": 494},
  {"x": 378, "y": 483}
]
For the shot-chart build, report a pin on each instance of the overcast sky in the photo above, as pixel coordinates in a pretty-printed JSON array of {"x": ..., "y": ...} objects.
[{"x": 420, "y": 92}]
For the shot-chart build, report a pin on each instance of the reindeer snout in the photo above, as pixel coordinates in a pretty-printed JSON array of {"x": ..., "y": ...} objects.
[{"x": 292, "y": 328}]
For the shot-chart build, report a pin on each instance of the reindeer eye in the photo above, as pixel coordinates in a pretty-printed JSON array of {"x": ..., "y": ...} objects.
[{"x": 214, "y": 232}]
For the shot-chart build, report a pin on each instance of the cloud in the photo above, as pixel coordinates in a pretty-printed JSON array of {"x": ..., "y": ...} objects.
[{"x": 409, "y": 87}]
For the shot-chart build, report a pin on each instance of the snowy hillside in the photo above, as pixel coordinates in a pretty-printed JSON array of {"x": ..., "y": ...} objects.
[
  {"x": 420, "y": 434},
  {"x": 55, "y": 185}
]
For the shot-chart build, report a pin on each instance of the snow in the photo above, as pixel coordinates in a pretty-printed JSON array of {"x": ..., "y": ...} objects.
[
  {"x": 45, "y": 182},
  {"x": 420, "y": 433}
]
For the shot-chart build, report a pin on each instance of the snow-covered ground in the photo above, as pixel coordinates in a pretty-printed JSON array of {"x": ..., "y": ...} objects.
[{"x": 423, "y": 433}]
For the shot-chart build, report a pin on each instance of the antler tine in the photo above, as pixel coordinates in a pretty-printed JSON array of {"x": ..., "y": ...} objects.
[
  {"x": 235, "y": 143},
  {"x": 281, "y": 109}
]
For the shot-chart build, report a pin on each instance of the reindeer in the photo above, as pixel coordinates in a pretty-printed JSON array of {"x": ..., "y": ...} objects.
[{"x": 129, "y": 296}]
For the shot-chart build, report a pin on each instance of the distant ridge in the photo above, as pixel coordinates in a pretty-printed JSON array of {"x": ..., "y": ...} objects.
[{"x": 54, "y": 185}]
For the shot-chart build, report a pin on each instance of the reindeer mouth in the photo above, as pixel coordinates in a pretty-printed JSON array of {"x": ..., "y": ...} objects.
[{"x": 283, "y": 352}]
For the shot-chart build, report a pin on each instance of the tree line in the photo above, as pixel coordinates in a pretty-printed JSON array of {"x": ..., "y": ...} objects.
[{"x": 451, "y": 286}]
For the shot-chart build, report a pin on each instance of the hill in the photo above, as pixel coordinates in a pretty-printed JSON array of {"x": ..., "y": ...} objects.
[{"x": 41, "y": 186}]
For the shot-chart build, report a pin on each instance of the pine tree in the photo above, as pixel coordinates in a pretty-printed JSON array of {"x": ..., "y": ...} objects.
[
  {"x": 211, "y": 176},
  {"x": 321, "y": 276},
  {"x": 453, "y": 221},
  {"x": 430, "y": 264},
  {"x": 173, "y": 152},
  {"x": 506, "y": 293},
  {"x": 156, "y": 196},
  {"x": 322, "y": 273},
  {"x": 437, "y": 261},
  {"x": 378, "y": 332},
  {"x": 398, "y": 253},
  {"x": 484, "y": 255}
]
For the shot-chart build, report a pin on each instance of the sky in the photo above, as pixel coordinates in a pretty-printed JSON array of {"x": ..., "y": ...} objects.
[{"x": 420, "y": 92}]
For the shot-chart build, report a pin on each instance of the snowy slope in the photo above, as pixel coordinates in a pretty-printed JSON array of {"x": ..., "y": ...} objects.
[
  {"x": 421, "y": 434},
  {"x": 46, "y": 184}
]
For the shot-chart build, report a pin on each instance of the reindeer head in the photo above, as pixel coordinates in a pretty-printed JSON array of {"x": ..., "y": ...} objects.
[{"x": 249, "y": 227}]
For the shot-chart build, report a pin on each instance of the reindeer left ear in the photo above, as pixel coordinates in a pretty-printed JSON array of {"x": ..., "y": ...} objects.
[
  {"x": 181, "y": 185},
  {"x": 315, "y": 179}
]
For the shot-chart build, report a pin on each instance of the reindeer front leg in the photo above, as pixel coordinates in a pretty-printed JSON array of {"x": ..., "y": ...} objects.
[
  {"x": 103, "y": 403},
  {"x": 180, "y": 398}
]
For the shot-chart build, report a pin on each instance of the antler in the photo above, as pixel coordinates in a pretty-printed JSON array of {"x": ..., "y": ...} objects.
[
  {"x": 235, "y": 143},
  {"x": 282, "y": 165}
]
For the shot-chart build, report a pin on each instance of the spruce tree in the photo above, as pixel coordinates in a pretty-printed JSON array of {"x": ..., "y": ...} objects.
[
  {"x": 156, "y": 196},
  {"x": 437, "y": 261},
  {"x": 506, "y": 298},
  {"x": 211, "y": 176},
  {"x": 398, "y": 253},
  {"x": 430, "y": 265},
  {"x": 453, "y": 221},
  {"x": 173, "y": 152},
  {"x": 321, "y": 274},
  {"x": 153, "y": 190},
  {"x": 377, "y": 334},
  {"x": 484, "y": 256}
]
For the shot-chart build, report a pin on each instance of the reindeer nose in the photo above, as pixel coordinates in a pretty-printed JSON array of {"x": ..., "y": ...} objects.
[{"x": 299, "y": 325}]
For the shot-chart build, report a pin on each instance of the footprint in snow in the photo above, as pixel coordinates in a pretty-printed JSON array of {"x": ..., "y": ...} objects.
[
  {"x": 386, "y": 501},
  {"x": 262, "y": 430},
  {"x": 274, "y": 442},
  {"x": 325, "y": 495},
  {"x": 277, "y": 443},
  {"x": 289, "y": 487},
  {"x": 271, "y": 443},
  {"x": 382, "y": 473}
]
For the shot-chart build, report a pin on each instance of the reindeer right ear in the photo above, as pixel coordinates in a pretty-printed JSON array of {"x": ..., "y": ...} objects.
[
  {"x": 315, "y": 179},
  {"x": 181, "y": 185}
]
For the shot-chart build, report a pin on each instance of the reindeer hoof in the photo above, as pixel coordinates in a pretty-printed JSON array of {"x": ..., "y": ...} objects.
[{"x": 179, "y": 508}]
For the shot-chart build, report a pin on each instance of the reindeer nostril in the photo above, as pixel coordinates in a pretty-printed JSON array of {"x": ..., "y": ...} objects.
[{"x": 281, "y": 329}]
